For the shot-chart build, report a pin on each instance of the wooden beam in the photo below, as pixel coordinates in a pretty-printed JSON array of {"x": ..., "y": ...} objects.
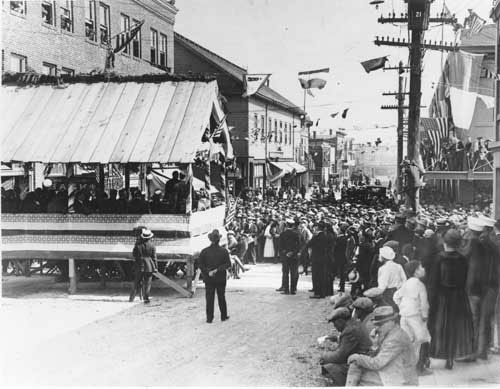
[{"x": 173, "y": 284}]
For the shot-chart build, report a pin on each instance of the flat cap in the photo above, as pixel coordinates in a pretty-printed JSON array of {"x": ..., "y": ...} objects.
[
  {"x": 339, "y": 313},
  {"x": 373, "y": 292},
  {"x": 343, "y": 302},
  {"x": 363, "y": 303}
]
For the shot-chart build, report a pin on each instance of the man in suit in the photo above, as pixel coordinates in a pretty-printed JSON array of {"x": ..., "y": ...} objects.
[
  {"x": 213, "y": 262},
  {"x": 353, "y": 338},
  {"x": 394, "y": 364},
  {"x": 145, "y": 265},
  {"x": 399, "y": 232},
  {"x": 290, "y": 244}
]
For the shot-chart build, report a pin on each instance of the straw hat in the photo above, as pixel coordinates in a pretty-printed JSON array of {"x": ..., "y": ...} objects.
[{"x": 146, "y": 234}]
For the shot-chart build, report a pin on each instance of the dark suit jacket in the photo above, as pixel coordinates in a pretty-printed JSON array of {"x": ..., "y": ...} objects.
[
  {"x": 211, "y": 258},
  {"x": 353, "y": 340},
  {"x": 145, "y": 256}
]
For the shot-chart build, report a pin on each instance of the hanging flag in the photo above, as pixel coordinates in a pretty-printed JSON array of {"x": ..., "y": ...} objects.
[
  {"x": 317, "y": 122},
  {"x": 334, "y": 115},
  {"x": 436, "y": 129},
  {"x": 125, "y": 37},
  {"x": 344, "y": 114},
  {"x": 253, "y": 82},
  {"x": 316, "y": 82},
  {"x": 474, "y": 22},
  {"x": 446, "y": 12},
  {"x": 374, "y": 64}
]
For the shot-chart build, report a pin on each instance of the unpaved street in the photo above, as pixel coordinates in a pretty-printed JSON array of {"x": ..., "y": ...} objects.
[{"x": 97, "y": 338}]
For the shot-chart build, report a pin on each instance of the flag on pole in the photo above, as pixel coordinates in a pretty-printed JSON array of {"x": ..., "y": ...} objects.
[
  {"x": 253, "y": 82},
  {"x": 344, "y": 114},
  {"x": 316, "y": 82},
  {"x": 474, "y": 22},
  {"x": 125, "y": 37},
  {"x": 334, "y": 115},
  {"x": 436, "y": 129},
  {"x": 374, "y": 64},
  {"x": 317, "y": 122}
]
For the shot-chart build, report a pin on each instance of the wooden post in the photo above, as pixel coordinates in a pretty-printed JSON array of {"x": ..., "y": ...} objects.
[
  {"x": 102, "y": 271},
  {"x": 72, "y": 276},
  {"x": 189, "y": 200},
  {"x": 190, "y": 274}
]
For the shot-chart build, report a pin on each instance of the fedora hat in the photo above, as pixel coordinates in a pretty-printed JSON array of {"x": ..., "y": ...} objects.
[
  {"x": 214, "y": 236},
  {"x": 146, "y": 234},
  {"x": 383, "y": 314}
]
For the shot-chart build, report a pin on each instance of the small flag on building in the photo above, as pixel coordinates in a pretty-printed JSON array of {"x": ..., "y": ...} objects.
[
  {"x": 436, "y": 129},
  {"x": 374, "y": 64},
  {"x": 253, "y": 82},
  {"x": 344, "y": 114},
  {"x": 316, "y": 82},
  {"x": 474, "y": 22}
]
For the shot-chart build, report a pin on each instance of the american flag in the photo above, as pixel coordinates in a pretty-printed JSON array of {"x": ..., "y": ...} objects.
[
  {"x": 474, "y": 22},
  {"x": 436, "y": 130},
  {"x": 490, "y": 74},
  {"x": 231, "y": 211}
]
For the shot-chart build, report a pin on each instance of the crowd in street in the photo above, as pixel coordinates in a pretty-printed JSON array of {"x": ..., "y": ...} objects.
[{"x": 410, "y": 286}]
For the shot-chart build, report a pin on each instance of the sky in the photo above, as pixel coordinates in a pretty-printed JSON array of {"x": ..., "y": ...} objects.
[{"x": 283, "y": 37}]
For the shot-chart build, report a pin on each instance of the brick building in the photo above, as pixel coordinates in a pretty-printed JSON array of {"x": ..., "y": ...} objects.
[
  {"x": 69, "y": 37},
  {"x": 251, "y": 117}
]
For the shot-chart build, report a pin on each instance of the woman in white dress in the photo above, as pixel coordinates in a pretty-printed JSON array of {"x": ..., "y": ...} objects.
[{"x": 269, "y": 244}]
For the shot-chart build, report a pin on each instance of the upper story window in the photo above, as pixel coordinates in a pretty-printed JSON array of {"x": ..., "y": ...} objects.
[
  {"x": 262, "y": 122},
  {"x": 67, "y": 15},
  {"x": 49, "y": 69},
  {"x": 90, "y": 20},
  {"x": 18, "y": 7},
  {"x": 269, "y": 127},
  {"x": 275, "y": 131},
  {"x": 290, "y": 129},
  {"x": 255, "y": 121},
  {"x": 154, "y": 46},
  {"x": 125, "y": 26},
  {"x": 104, "y": 23},
  {"x": 286, "y": 133},
  {"x": 48, "y": 12},
  {"x": 136, "y": 42},
  {"x": 163, "y": 50},
  {"x": 18, "y": 63}
]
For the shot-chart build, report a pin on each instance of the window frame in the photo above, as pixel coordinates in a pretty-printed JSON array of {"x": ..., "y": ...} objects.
[
  {"x": 52, "y": 13},
  {"x": 163, "y": 50},
  {"x": 69, "y": 8},
  {"x": 90, "y": 21},
  {"x": 19, "y": 58},
  {"x": 104, "y": 39},
  {"x": 153, "y": 58},
  {"x": 67, "y": 71},
  {"x": 50, "y": 66},
  {"x": 137, "y": 40},
  {"x": 286, "y": 133},
  {"x": 275, "y": 131},
  {"x": 17, "y": 13}
]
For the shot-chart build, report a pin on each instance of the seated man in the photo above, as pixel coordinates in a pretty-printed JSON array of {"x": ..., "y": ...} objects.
[
  {"x": 353, "y": 338},
  {"x": 394, "y": 362}
]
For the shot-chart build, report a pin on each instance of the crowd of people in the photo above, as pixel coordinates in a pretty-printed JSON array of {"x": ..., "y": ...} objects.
[{"x": 429, "y": 283}]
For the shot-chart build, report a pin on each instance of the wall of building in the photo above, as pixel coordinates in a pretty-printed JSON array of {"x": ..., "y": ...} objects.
[{"x": 27, "y": 35}]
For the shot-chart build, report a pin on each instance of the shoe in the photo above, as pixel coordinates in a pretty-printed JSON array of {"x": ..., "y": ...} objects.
[
  {"x": 293, "y": 292},
  {"x": 280, "y": 290},
  {"x": 424, "y": 372},
  {"x": 209, "y": 321},
  {"x": 147, "y": 301},
  {"x": 449, "y": 364},
  {"x": 314, "y": 297},
  {"x": 285, "y": 292},
  {"x": 311, "y": 290},
  {"x": 225, "y": 318}
]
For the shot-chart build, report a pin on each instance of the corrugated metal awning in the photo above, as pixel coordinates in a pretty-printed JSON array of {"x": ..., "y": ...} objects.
[
  {"x": 113, "y": 122},
  {"x": 288, "y": 167}
]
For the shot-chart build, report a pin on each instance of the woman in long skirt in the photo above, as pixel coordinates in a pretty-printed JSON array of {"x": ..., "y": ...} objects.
[
  {"x": 269, "y": 233},
  {"x": 450, "y": 320}
]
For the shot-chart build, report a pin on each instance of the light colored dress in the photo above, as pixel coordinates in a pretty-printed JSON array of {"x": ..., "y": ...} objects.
[{"x": 269, "y": 244}]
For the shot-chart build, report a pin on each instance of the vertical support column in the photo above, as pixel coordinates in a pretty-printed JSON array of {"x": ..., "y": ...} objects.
[
  {"x": 72, "y": 276},
  {"x": 401, "y": 101},
  {"x": 190, "y": 273},
  {"x": 189, "y": 200}
]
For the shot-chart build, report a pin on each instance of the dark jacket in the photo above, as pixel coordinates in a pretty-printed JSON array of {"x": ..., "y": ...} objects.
[
  {"x": 400, "y": 234},
  {"x": 321, "y": 247},
  {"x": 211, "y": 258},
  {"x": 290, "y": 243},
  {"x": 145, "y": 256},
  {"x": 353, "y": 340}
]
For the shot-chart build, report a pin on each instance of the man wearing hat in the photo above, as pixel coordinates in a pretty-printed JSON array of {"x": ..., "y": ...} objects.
[
  {"x": 290, "y": 244},
  {"x": 353, "y": 338},
  {"x": 393, "y": 364},
  {"x": 399, "y": 232},
  {"x": 144, "y": 253},
  {"x": 390, "y": 275},
  {"x": 213, "y": 262},
  {"x": 362, "y": 310},
  {"x": 322, "y": 245}
]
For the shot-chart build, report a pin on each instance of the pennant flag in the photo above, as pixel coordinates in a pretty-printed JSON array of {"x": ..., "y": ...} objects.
[
  {"x": 334, "y": 115},
  {"x": 316, "y": 82},
  {"x": 125, "y": 37},
  {"x": 474, "y": 22},
  {"x": 374, "y": 64},
  {"x": 446, "y": 12},
  {"x": 436, "y": 129},
  {"x": 344, "y": 114},
  {"x": 253, "y": 82},
  {"x": 317, "y": 122},
  {"x": 309, "y": 92}
]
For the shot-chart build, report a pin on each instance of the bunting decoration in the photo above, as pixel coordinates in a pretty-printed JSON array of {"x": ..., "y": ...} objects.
[
  {"x": 317, "y": 122},
  {"x": 316, "y": 82},
  {"x": 125, "y": 37},
  {"x": 231, "y": 211},
  {"x": 334, "y": 115},
  {"x": 374, "y": 64},
  {"x": 253, "y": 82},
  {"x": 344, "y": 114},
  {"x": 436, "y": 130}
]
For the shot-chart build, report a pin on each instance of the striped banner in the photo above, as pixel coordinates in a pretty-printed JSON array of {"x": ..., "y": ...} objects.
[
  {"x": 231, "y": 212},
  {"x": 436, "y": 130}
]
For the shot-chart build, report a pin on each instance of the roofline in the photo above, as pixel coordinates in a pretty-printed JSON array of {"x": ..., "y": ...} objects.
[{"x": 294, "y": 108}]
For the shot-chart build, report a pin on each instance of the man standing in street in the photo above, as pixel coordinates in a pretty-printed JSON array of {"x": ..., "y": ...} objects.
[
  {"x": 321, "y": 252},
  {"x": 145, "y": 261},
  {"x": 213, "y": 262},
  {"x": 290, "y": 243}
]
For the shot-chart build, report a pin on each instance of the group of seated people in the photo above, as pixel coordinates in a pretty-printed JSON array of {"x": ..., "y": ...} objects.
[{"x": 86, "y": 199}]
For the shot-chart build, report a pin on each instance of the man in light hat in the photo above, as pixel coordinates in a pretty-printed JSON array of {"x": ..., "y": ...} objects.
[
  {"x": 144, "y": 253},
  {"x": 213, "y": 262},
  {"x": 390, "y": 275},
  {"x": 353, "y": 338},
  {"x": 393, "y": 364}
]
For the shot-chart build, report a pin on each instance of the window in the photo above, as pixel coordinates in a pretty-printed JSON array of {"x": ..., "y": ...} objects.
[
  {"x": 255, "y": 121},
  {"x": 163, "y": 50},
  {"x": 269, "y": 128},
  {"x": 290, "y": 130},
  {"x": 49, "y": 69},
  {"x": 48, "y": 12},
  {"x": 136, "y": 43},
  {"x": 104, "y": 23},
  {"x": 154, "y": 46},
  {"x": 275, "y": 131},
  {"x": 19, "y": 7},
  {"x": 125, "y": 26},
  {"x": 67, "y": 16},
  {"x": 286, "y": 133},
  {"x": 90, "y": 24},
  {"x": 262, "y": 123},
  {"x": 67, "y": 72},
  {"x": 18, "y": 63}
]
